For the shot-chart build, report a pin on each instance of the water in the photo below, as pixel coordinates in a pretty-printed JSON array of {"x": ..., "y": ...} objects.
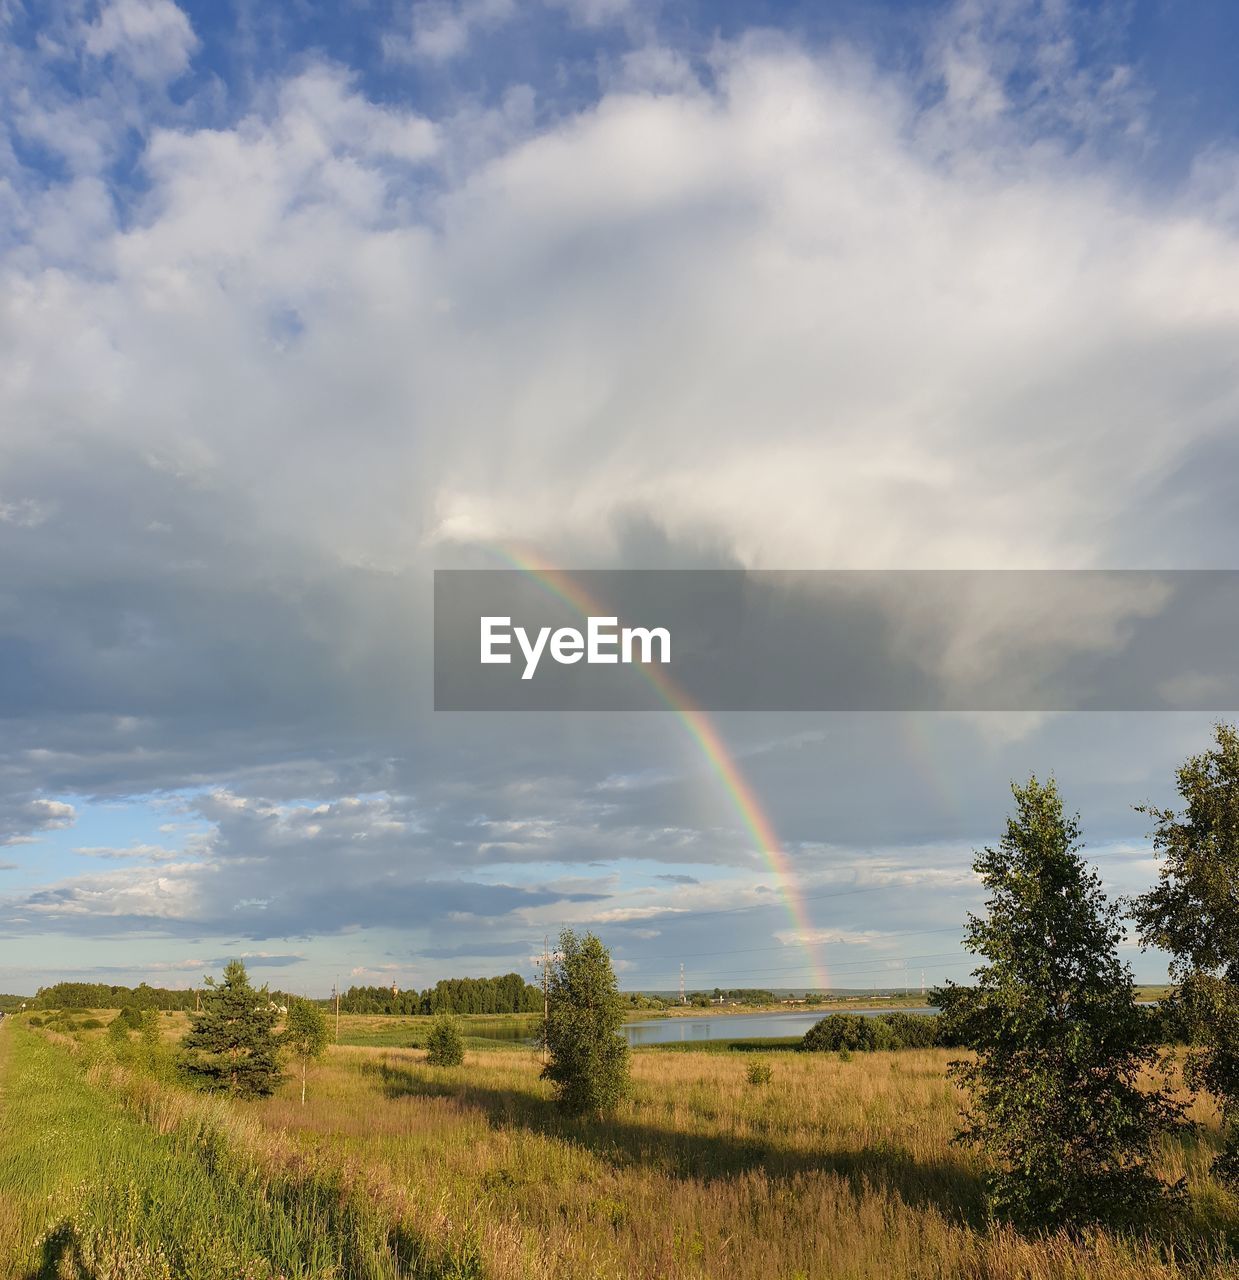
[{"x": 736, "y": 1026}]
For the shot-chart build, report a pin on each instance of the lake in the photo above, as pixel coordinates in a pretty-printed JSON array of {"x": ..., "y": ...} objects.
[{"x": 737, "y": 1026}]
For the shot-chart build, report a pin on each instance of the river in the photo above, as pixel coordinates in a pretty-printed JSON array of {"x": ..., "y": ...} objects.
[{"x": 737, "y": 1026}]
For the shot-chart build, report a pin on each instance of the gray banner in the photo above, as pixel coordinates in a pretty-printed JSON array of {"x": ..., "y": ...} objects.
[{"x": 731, "y": 640}]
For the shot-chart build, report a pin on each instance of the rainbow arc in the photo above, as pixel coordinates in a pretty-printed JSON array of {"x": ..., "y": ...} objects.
[{"x": 709, "y": 741}]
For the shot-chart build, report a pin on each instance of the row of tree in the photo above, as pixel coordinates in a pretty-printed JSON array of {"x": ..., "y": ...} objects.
[
  {"x": 99, "y": 995},
  {"x": 235, "y": 1045},
  {"x": 509, "y": 993},
  {"x": 1071, "y": 1088}
]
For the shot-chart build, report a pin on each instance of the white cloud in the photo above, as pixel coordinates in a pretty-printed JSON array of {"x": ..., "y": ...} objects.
[
  {"x": 152, "y": 37},
  {"x": 441, "y": 30},
  {"x": 146, "y": 852}
]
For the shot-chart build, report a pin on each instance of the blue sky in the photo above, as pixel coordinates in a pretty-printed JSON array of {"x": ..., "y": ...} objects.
[{"x": 300, "y": 302}]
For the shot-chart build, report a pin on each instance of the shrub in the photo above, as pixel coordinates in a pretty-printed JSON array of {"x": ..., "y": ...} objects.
[
  {"x": 90, "y": 1024},
  {"x": 838, "y": 1031},
  {"x": 759, "y": 1072},
  {"x": 445, "y": 1045},
  {"x": 912, "y": 1030},
  {"x": 130, "y": 1017}
]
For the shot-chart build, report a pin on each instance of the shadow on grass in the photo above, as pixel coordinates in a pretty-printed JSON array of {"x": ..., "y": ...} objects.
[
  {"x": 61, "y": 1255},
  {"x": 940, "y": 1184}
]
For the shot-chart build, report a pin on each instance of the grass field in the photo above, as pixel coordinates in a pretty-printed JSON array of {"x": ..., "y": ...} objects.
[{"x": 833, "y": 1169}]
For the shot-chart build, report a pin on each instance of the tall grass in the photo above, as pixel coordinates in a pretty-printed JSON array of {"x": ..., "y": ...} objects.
[
  {"x": 110, "y": 1174},
  {"x": 832, "y": 1169}
]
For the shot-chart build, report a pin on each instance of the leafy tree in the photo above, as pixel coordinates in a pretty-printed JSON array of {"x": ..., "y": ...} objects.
[
  {"x": 153, "y": 1056},
  {"x": 130, "y": 1017},
  {"x": 231, "y": 1045},
  {"x": 1193, "y": 913},
  {"x": 118, "y": 1032},
  {"x": 305, "y": 1035},
  {"x": 445, "y": 1044},
  {"x": 1060, "y": 1041},
  {"x": 588, "y": 1057}
]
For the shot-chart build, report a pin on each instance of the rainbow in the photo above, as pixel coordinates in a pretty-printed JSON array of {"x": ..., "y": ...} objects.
[{"x": 709, "y": 742}]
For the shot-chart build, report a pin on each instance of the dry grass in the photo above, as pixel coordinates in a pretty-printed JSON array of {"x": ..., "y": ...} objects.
[{"x": 838, "y": 1169}]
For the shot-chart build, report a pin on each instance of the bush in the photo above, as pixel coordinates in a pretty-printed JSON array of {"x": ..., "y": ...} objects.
[
  {"x": 850, "y": 1031},
  {"x": 759, "y": 1073},
  {"x": 445, "y": 1045},
  {"x": 912, "y": 1030},
  {"x": 854, "y": 1032},
  {"x": 130, "y": 1017},
  {"x": 90, "y": 1024},
  {"x": 35, "y": 1020}
]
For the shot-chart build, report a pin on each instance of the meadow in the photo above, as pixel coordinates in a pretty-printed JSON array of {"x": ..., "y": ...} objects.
[{"x": 834, "y": 1168}]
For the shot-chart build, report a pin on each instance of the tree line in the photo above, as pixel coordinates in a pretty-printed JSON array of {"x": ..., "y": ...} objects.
[
  {"x": 509, "y": 993},
  {"x": 99, "y": 995}
]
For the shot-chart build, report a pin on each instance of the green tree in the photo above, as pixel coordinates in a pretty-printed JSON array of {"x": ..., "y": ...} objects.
[
  {"x": 231, "y": 1045},
  {"x": 118, "y": 1033},
  {"x": 588, "y": 1058},
  {"x": 1193, "y": 913},
  {"x": 1054, "y": 1098},
  {"x": 305, "y": 1035},
  {"x": 445, "y": 1044},
  {"x": 153, "y": 1057}
]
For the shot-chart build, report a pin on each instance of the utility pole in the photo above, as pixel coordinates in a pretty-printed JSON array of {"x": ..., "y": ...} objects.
[
  {"x": 922, "y": 982},
  {"x": 683, "y": 997},
  {"x": 335, "y": 991}
]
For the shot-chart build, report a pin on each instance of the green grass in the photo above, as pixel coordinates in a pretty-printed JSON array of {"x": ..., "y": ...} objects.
[
  {"x": 829, "y": 1168},
  {"x": 91, "y": 1191}
]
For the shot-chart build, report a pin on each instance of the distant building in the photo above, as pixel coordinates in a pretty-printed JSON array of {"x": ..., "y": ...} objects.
[{"x": 395, "y": 990}]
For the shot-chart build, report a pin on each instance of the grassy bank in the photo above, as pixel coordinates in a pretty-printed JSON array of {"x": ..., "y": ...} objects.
[{"x": 105, "y": 1175}]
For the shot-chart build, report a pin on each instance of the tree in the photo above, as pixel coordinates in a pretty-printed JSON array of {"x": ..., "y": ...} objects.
[
  {"x": 305, "y": 1035},
  {"x": 1193, "y": 913},
  {"x": 1054, "y": 1098},
  {"x": 588, "y": 1058},
  {"x": 445, "y": 1044},
  {"x": 231, "y": 1045},
  {"x": 153, "y": 1053}
]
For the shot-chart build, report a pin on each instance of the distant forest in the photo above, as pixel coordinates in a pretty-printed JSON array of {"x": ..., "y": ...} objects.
[
  {"x": 98, "y": 995},
  {"x": 507, "y": 994}
]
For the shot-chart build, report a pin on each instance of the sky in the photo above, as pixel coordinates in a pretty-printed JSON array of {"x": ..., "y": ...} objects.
[{"x": 299, "y": 303}]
